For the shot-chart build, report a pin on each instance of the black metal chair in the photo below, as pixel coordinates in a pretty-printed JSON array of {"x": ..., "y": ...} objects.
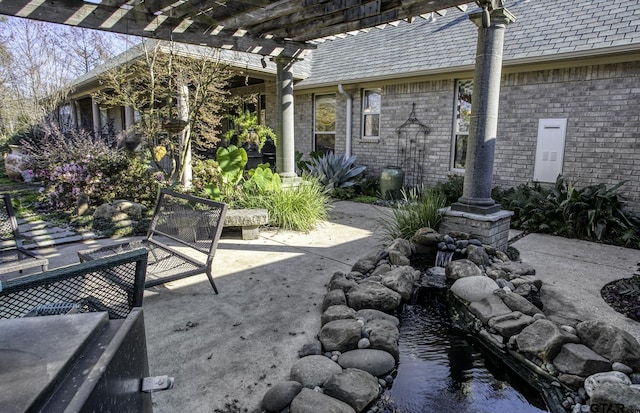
[
  {"x": 182, "y": 239},
  {"x": 113, "y": 284}
]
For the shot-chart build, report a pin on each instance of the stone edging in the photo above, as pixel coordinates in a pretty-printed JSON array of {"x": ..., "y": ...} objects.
[{"x": 495, "y": 299}]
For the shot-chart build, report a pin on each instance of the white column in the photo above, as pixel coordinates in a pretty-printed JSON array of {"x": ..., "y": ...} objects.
[
  {"x": 185, "y": 135},
  {"x": 74, "y": 114},
  {"x": 285, "y": 150},
  {"x": 95, "y": 112},
  {"x": 129, "y": 118}
]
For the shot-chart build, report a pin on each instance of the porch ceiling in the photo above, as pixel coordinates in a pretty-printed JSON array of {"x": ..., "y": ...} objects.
[{"x": 267, "y": 27}]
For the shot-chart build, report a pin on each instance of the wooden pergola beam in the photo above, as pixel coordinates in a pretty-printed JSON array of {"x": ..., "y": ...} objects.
[{"x": 281, "y": 27}]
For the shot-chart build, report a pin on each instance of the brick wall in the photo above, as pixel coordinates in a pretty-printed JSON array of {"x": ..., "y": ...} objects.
[{"x": 602, "y": 108}]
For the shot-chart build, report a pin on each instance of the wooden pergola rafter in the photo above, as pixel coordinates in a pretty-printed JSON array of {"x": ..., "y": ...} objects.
[{"x": 270, "y": 28}]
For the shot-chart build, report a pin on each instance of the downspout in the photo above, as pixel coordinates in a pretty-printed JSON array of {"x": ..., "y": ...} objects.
[{"x": 349, "y": 121}]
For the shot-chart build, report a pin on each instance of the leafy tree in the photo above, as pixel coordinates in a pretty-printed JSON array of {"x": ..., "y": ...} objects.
[{"x": 150, "y": 80}]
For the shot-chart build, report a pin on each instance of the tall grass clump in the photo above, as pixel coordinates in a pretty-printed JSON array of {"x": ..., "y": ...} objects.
[
  {"x": 419, "y": 208},
  {"x": 298, "y": 209}
]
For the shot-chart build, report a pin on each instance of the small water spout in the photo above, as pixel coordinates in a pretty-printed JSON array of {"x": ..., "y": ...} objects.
[{"x": 443, "y": 258}]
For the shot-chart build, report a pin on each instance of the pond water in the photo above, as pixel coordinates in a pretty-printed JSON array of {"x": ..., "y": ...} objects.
[{"x": 441, "y": 371}]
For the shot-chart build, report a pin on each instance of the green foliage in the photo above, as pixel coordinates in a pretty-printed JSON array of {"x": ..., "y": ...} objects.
[
  {"x": 248, "y": 130},
  {"x": 231, "y": 161},
  {"x": 206, "y": 179},
  {"x": 594, "y": 212},
  {"x": 335, "y": 171},
  {"x": 365, "y": 190},
  {"x": 262, "y": 180},
  {"x": 365, "y": 199},
  {"x": 303, "y": 164},
  {"x": 451, "y": 189},
  {"x": 77, "y": 164},
  {"x": 420, "y": 208},
  {"x": 299, "y": 208},
  {"x": 220, "y": 179}
]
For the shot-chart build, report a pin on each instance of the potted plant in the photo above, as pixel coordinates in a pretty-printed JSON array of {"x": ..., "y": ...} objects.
[{"x": 248, "y": 132}]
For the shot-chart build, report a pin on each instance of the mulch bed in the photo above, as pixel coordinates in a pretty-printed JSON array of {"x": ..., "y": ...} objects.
[{"x": 624, "y": 296}]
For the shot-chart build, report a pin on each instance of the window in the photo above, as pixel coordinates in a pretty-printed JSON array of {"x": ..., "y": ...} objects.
[
  {"x": 324, "y": 123},
  {"x": 371, "y": 113},
  {"x": 461, "y": 122}
]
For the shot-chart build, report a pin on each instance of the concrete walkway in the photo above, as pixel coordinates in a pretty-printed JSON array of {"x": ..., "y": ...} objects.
[{"x": 226, "y": 350}]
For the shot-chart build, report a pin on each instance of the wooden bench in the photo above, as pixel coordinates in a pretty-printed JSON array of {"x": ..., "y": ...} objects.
[
  {"x": 113, "y": 284},
  {"x": 248, "y": 220},
  {"x": 13, "y": 256},
  {"x": 182, "y": 239}
]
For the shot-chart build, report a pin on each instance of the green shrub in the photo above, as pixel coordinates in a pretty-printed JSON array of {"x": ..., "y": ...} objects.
[
  {"x": 205, "y": 176},
  {"x": 419, "y": 208},
  {"x": 451, "y": 189},
  {"x": 593, "y": 212},
  {"x": 298, "y": 209},
  {"x": 220, "y": 179},
  {"x": 76, "y": 163}
]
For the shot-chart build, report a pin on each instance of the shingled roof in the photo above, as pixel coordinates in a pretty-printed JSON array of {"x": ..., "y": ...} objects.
[{"x": 543, "y": 31}]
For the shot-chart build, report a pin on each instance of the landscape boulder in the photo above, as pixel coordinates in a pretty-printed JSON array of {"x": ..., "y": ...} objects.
[
  {"x": 312, "y": 371},
  {"x": 611, "y": 342},
  {"x": 340, "y": 335},
  {"x": 580, "y": 360},
  {"x": 309, "y": 401},
  {"x": 460, "y": 269},
  {"x": 337, "y": 312},
  {"x": 355, "y": 387},
  {"x": 280, "y": 395},
  {"x": 373, "y": 295},
  {"x": 474, "y": 288},
  {"x": 375, "y": 362},
  {"x": 543, "y": 339}
]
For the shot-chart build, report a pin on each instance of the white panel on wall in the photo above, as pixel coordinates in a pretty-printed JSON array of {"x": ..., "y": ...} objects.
[{"x": 549, "y": 149}]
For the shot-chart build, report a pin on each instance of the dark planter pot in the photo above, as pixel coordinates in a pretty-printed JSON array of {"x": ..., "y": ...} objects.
[{"x": 391, "y": 181}]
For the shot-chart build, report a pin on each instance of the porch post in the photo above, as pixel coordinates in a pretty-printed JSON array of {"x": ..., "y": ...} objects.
[
  {"x": 128, "y": 118},
  {"x": 476, "y": 213},
  {"x": 478, "y": 178},
  {"x": 95, "y": 112},
  {"x": 285, "y": 149},
  {"x": 184, "y": 135},
  {"x": 74, "y": 114}
]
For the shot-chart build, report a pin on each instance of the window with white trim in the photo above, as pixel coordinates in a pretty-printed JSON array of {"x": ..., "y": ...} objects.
[
  {"x": 324, "y": 123},
  {"x": 371, "y": 100},
  {"x": 461, "y": 123}
]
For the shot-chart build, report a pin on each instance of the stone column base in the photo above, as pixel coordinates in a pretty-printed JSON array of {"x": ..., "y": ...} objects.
[
  {"x": 290, "y": 181},
  {"x": 490, "y": 229}
]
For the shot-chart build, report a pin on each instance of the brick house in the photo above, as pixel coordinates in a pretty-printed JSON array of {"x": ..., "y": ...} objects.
[{"x": 569, "y": 98}]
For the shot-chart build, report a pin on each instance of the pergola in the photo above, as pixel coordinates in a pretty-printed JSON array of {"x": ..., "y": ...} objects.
[
  {"x": 283, "y": 30},
  {"x": 267, "y": 27}
]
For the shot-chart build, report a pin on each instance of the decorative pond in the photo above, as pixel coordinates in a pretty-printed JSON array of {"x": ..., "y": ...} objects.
[{"x": 441, "y": 370}]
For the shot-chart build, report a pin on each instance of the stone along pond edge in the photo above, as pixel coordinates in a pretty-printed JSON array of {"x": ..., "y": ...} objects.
[{"x": 591, "y": 366}]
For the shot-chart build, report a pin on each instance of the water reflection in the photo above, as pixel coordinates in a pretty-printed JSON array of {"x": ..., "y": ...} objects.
[{"x": 440, "y": 371}]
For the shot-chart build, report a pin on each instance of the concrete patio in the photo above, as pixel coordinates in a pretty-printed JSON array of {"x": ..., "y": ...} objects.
[{"x": 226, "y": 350}]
